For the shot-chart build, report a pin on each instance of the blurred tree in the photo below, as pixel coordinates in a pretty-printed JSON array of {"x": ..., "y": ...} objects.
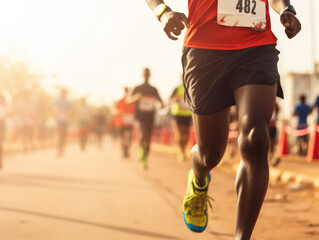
[{"x": 15, "y": 77}]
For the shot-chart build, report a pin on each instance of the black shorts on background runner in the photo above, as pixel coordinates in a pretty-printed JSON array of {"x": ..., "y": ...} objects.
[
  {"x": 211, "y": 76},
  {"x": 182, "y": 120},
  {"x": 272, "y": 132}
]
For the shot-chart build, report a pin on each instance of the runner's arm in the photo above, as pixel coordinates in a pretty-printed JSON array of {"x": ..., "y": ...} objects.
[
  {"x": 287, "y": 18},
  {"x": 173, "y": 22},
  {"x": 159, "y": 99},
  {"x": 118, "y": 108},
  {"x": 172, "y": 99},
  {"x": 133, "y": 97},
  {"x": 279, "y": 5}
]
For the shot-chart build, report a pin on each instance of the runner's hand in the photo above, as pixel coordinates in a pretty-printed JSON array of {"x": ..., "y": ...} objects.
[
  {"x": 174, "y": 22},
  {"x": 291, "y": 23},
  {"x": 137, "y": 96}
]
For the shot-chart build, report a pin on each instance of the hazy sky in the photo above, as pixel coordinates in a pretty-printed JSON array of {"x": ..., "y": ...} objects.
[{"x": 99, "y": 46}]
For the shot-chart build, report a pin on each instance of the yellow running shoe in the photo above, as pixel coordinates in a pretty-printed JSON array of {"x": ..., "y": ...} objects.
[{"x": 195, "y": 204}]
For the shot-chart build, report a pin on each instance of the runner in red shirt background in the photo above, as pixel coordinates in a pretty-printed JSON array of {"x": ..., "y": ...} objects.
[
  {"x": 126, "y": 112},
  {"x": 229, "y": 58}
]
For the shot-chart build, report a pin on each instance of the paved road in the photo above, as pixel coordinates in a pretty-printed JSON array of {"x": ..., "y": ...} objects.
[{"x": 97, "y": 195}]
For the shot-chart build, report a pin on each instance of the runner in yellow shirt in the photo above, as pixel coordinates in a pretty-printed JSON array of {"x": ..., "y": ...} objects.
[{"x": 183, "y": 118}]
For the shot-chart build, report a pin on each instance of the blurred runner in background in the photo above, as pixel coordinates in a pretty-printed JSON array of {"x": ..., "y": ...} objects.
[
  {"x": 183, "y": 119},
  {"x": 84, "y": 121},
  {"x": 63, "y": 108},
  {"x": 25, "y": 108},
  {"x": 146, "y": 97},
  {"x": 302, "y": 110},
  {"x": 3, "y": 113},
  {"x": 274, "y": 160},
  {"x": 99, "y": 125},
  {"x": 126, "y": 112},
  {"x": 232, "y": 138}
]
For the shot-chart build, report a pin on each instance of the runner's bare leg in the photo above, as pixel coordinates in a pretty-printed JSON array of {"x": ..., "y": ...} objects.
[
  {"x": 255, "y": 106},
  {"x": 183, "y": 137},
  {"x": 212, "y": 135}
]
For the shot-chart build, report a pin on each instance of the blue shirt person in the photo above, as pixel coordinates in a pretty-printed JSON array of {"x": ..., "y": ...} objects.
[{"x": 302, "y": 110}]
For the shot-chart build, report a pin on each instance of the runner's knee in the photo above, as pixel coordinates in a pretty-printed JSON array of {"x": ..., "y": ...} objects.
[
  {"x": 253, "y": 142},
  {"x": 209, "y": 156}
]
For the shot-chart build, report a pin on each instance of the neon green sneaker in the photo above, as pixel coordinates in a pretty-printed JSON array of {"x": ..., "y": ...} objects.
[
  {"x": 195, "y": 204},
  {"x": 181, "y": 157},
  {"x": 143, "y": 159}
]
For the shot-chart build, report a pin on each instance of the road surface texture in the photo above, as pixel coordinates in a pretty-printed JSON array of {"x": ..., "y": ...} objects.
[{"x": 96, "y": 195}]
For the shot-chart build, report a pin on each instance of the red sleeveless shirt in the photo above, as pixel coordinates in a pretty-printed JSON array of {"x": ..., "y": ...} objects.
[{"x": 204, "y": 32}]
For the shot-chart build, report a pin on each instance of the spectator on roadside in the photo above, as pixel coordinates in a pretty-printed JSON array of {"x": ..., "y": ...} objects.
[{"x": 302, "y": 110}]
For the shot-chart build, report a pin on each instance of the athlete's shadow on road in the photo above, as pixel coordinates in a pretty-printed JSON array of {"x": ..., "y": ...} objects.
[
  {"x": 63, "y": 183},
  {"x": 222, "y": 234},
  {"x": 99, "y": 225}
]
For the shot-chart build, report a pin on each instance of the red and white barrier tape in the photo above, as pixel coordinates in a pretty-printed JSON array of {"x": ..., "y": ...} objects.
[{"x": 287, "y": 129}]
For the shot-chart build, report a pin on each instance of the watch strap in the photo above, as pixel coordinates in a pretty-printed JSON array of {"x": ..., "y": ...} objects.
[
  {"x": 160, "y": 10},
  {"x": 290, "y": 9}
]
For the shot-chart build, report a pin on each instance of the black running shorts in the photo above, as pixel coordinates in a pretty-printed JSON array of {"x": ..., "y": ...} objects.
[{"x": 211, "y": 76}]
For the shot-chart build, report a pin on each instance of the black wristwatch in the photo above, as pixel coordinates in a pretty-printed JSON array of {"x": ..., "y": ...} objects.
[{"x": 290, "y": 9}]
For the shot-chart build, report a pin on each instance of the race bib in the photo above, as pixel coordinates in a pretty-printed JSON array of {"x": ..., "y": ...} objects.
[
  {"x": 127, "y": 119},
  {"x": 147, "y": 104},
  {"x": 242, "y": 13}
]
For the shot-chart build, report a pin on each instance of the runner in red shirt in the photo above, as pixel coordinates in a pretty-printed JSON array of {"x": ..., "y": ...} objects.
[
  {"x": 229, "y": 58},
  {"x": 126, "y": 111}
]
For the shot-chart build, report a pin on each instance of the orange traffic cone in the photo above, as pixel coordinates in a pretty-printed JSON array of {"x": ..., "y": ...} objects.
[
  {"x": 313, "y": 146},
  {"x": 282, "y": 148}
]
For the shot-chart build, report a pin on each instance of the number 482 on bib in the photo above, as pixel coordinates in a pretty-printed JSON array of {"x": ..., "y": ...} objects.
[
  {"x": 242, "y": 13},
  {"x": 246, "y": 6}
]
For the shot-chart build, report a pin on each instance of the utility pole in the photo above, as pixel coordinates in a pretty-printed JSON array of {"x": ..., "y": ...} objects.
[{"x": 313, "y": 49}]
